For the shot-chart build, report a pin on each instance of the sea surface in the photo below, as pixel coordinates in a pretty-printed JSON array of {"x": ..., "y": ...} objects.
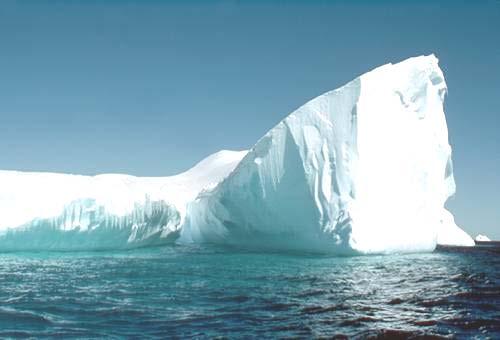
[{"x": 207, "y": 292}]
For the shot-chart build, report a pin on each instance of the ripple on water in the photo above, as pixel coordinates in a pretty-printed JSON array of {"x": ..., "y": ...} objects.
[{"x": 204, "y": 292}]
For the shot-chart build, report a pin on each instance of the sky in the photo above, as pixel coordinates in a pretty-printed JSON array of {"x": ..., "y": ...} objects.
[{"x": 149, "y": 88}]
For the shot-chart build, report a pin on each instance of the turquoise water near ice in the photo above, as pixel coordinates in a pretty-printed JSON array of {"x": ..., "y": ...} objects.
[{"x": 206, "y": 291}]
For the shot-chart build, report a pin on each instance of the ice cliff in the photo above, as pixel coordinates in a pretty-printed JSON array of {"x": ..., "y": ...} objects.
[{"x": 362, "y": 169}]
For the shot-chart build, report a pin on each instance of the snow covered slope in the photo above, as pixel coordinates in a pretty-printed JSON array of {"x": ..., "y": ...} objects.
[{"x": 362, "y": 169}]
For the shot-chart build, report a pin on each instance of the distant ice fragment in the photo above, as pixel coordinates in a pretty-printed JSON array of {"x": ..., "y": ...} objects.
[{"x": 482, "y": 238}]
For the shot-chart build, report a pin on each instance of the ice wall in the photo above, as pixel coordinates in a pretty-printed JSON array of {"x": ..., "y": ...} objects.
[{"x": 86, "y": 225}]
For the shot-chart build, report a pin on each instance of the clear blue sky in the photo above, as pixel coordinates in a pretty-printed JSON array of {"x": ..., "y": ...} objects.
[{"x": 151, "y": 87}]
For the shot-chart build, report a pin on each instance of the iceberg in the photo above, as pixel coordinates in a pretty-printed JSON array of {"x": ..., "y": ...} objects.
[
  {"x": 482, "y": 238},
  {"x": 364, "y": 169}
]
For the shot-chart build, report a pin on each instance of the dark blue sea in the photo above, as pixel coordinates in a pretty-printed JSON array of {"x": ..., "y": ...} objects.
[{"x": 206, "y": 292}]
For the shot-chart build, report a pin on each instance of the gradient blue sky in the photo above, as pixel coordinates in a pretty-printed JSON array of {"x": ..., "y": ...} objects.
[{"x": 151, "y": 87}]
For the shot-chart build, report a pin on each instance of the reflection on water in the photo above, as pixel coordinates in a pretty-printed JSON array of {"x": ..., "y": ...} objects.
[{"x": 205, "y": 292}]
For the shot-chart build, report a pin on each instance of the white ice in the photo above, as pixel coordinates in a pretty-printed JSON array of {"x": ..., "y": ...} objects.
[
  {"x": 61, "y": 211},
  {"x": 482, "y": 238},
  {"x": 362, "y": 169},
  {"x": 365, "y": 168}
]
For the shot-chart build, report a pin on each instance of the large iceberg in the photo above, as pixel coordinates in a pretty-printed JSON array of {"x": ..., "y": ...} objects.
[{"x": 362, "y": 169}]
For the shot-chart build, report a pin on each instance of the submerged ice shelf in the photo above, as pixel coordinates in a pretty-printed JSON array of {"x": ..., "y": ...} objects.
[{"x": 362, "y": 169}]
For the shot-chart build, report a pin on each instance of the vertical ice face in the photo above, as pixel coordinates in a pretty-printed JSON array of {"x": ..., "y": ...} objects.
[
  {"x": 365, "y": 168},
  {"x": 86, "y": 225}
]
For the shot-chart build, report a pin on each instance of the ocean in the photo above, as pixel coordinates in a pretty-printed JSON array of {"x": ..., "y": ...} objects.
[{"x": 206, "y": 292}]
